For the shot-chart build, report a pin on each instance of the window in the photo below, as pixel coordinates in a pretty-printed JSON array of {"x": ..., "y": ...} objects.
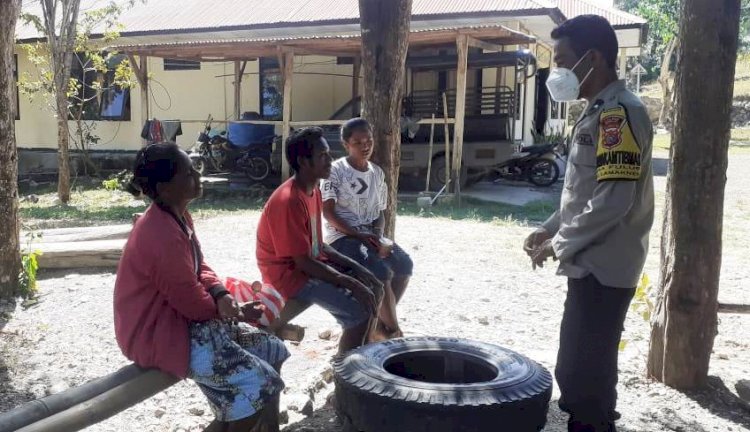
[
  {"x": 180, "y": 65},
  {"x": 271, "y": 89},
  {"x": 15, "y": 78},
  {"x": 558, "y": 110},
  {"x": 97, "y": 96}
]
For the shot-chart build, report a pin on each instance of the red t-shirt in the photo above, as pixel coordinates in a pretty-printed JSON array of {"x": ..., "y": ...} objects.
[{"x": 289, "y": 226}]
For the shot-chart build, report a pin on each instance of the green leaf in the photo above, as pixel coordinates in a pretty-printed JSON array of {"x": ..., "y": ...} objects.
[{"x": 622, "y": 345}]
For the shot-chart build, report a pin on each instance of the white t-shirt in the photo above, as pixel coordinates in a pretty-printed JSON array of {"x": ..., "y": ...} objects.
[{"x": 360, "y": 196}]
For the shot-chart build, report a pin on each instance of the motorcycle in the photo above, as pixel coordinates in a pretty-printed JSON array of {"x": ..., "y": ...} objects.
[
  {"x": 536, "y": 164},
  {"x": 214, "y": 153}
]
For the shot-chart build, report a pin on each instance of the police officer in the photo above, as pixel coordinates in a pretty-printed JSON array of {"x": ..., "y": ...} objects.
[{"x": 600, "y": 233}]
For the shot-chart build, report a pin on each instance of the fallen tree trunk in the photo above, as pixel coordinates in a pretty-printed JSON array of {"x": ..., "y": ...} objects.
[
  {"x": 61, "y": 235},
  {"x": 42, "y": 408},
  {"x": 81, "y": 254},
  {"x": 145, "y": 384}
]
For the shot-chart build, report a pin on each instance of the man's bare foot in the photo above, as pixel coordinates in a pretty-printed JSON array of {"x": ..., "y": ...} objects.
[{"x": 377, "y": 335}]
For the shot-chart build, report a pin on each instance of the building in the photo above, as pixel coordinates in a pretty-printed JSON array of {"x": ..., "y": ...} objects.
[{"x": 193, "y": 51}]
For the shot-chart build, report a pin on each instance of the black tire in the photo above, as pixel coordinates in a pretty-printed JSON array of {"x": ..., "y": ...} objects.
[
  {"x": 437, "y": 174},
  {"x": 199, "y": 164},
  {"x": 384, "y": 387},
  {"x": 257, "y": 168},
  {"x": 543, "y": 172}
]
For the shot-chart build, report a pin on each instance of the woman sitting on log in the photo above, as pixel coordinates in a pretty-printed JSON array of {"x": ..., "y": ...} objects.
[{"x": 173, "y": 313}]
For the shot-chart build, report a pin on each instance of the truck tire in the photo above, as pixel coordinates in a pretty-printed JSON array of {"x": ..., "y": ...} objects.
[
  {"x": 437, "y": 174},
  {"x": 421, "y": 384}
]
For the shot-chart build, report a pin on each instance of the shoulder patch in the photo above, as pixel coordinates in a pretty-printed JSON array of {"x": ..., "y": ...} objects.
[{"x": 618, "y": 156}]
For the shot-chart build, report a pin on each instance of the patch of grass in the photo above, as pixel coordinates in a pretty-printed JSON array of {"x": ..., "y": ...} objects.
[
  {"x": 740, "y": 141},
  {"x": 742, "y": 78},
  {"x": 97, "y": 206},
  {"x": 477, "y": 210}
]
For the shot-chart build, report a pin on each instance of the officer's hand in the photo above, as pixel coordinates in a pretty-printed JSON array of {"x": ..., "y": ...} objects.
[
  {"x": 542, "y": 253},
  {"x": 534, "y": 240}
]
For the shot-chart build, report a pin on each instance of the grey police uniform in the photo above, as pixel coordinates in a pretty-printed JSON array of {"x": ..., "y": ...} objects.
[{"x": 607, "y": 204}]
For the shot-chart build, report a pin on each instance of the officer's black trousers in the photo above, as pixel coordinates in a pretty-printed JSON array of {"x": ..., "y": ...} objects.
[{"x": 587, "y": 359}]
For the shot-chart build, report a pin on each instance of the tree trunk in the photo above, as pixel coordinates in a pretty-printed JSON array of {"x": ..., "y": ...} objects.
[
  {"x": 685, "y": 322},
  {"x": 63, "y": 149},
  {"x": 385, "y": 40},
  {"x": 60, "y": 30},
  {"x": 10, "y": 258},
  {"x": 665, "y": 76}
]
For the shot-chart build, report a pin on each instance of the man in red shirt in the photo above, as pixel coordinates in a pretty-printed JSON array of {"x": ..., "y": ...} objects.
[{"x": 291, "y": 254}]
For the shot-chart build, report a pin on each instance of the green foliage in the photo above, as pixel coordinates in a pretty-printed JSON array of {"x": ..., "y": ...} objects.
[
  {"x": 29, "y": 267},
  {"x": 97, "y": 70},
  {"x": 663, "y": 18},
  {"x": 549, "y": 135},
  {"x": 118, "y": 182},
  {"x": 642, "y": 304}
]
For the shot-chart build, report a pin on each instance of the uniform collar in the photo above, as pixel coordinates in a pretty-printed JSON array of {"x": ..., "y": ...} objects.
[{"x": 605, "y": 94}]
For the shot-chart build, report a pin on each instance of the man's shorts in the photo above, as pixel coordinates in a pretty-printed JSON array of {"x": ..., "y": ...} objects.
[{"x": 338, "y": 301}]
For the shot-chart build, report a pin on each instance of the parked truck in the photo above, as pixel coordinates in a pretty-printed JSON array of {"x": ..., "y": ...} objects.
[{"x": 489, "y": 121}]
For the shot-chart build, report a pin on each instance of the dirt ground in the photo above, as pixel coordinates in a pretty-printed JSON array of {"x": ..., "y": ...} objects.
[{"x": 472, "y": 280}]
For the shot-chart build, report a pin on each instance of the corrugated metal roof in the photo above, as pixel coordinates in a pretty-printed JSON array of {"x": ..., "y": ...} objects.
[
  {"x": 186, "y": 15},
  {"x": 343, "y": 36},
  {"x": 616, "y": 17},
  {"x": 160, "y": 16}
]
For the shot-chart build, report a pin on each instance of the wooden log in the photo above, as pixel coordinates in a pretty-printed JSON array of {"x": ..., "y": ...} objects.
[
  {"x": 39, "y": 409},
  {"x": 84, "y": 254},
  {"x": 462, "y": 47},
  {"x": 734, "y": 308},
  {"x": 146, "y": 384},
  {"x": 62, "y": 235}
]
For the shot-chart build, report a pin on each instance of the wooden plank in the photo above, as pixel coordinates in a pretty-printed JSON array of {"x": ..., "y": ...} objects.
[
  {"x": 487, "y": 46},
  {"x": 462, "y": 46},
  {"x": 288, "y": 74},
  {"x": 81, "y": 254}
]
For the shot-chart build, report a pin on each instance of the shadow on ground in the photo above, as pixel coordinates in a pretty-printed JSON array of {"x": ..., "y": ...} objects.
[{"x": 9, "y": 395}]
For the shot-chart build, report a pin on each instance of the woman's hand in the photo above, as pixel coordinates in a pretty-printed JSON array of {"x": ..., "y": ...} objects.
[{"x": 228, "y": 308}]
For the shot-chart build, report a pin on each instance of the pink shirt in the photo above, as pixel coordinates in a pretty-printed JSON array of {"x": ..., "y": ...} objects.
[{"x": 159, "y": 291}]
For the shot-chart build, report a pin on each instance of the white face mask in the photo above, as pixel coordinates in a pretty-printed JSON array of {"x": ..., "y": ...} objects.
[{"x": 563, "y": 84}]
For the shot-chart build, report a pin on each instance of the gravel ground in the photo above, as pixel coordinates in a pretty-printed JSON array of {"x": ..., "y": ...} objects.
[{"x": 472, "y": 280}]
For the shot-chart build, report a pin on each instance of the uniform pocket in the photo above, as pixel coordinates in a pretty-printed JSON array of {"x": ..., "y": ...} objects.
[{"x": 583, "y": 155}]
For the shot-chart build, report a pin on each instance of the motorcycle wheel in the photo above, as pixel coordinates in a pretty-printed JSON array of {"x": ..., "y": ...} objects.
[
  {"x": 543, "y": 172},
  {"x": 200, "y": 165},
  {"x": 257, "y": 168}
]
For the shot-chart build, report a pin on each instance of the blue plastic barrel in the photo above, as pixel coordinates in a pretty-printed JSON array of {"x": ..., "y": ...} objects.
[{"x": 246, "y": 134}]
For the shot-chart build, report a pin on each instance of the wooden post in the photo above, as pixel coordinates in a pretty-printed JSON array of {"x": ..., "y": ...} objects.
[
  {"x": 237, "y": 89},
  {"x": 685, "y": 320},
  {"x": 145, "y": 106},
  {"x": 356, "y": 70},
  {"x": 429, "y": 154},
  {"x": 141, "y": 73},
  {"x": 447, "y": 142},
  {"x": 623, "y": 63},
  {"x": 287, "y": 74},
  {"x": 462, "y": 46}
]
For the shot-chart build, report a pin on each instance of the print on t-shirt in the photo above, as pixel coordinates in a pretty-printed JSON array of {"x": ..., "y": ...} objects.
[{"x": 360, "y": 196}]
